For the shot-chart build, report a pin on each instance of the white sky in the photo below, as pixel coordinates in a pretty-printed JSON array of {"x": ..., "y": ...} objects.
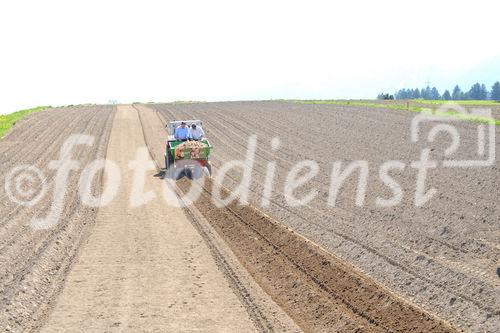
[{"x": 64, "y": 52}]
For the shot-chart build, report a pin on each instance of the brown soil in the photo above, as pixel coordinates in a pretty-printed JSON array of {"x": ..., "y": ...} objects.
[{"x": 343, "y": 268}]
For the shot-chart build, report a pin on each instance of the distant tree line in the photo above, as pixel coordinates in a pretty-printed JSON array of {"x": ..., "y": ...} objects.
[
  {"x": 385, "y": 96},
  {"x": 476, "y": 92}
]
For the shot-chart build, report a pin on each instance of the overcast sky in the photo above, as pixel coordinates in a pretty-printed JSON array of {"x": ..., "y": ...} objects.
[{"x": 69, "y": 52}]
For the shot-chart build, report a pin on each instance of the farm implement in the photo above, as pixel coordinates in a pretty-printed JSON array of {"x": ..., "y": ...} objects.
[{"x": 190, "y": 158}]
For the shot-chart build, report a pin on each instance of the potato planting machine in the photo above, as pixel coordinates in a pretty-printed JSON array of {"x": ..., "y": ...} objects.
[{"x": 186, "y": 157}]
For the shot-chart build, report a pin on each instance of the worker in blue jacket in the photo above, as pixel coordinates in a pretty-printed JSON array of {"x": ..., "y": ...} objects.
[
  {"x": 195, "y": 133},
  {"x": 181, "y": 132}
]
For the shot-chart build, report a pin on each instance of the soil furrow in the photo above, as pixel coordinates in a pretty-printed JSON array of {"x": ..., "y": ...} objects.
[{"x": 40, "y": 259}]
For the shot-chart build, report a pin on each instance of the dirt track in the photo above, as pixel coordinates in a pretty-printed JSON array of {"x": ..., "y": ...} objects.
[
  {"x": 443, "y": 256},
  {"x": 146, "y": 268}
]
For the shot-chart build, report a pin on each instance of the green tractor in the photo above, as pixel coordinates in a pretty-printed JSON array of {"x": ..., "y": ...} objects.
[{"x": 190, "y": 158}]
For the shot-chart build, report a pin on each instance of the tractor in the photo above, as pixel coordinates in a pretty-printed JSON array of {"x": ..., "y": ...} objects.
[{"x": 188, "y": 158}]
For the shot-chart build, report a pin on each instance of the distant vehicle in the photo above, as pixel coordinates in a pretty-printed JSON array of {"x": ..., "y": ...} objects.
[{"x": 186, "y": 157}]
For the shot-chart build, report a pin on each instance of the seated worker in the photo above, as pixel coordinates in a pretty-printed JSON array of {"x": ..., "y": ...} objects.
[
  {"x": 196, "y": 133},
  {"x": 181, "y": 132}
]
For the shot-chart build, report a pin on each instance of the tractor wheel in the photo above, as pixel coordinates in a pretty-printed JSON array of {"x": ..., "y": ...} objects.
[
  {"x": 196, "y": 172},
  {"x": 175, "y": 173},
  {"x": 168, "y": 161}
]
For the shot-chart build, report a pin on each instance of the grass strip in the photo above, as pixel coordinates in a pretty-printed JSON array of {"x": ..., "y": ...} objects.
[
  {"x": 9, "y": 120},
  {"x": 413, "y": 108}
]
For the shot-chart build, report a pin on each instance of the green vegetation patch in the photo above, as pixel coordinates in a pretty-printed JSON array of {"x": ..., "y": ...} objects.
[
  {"x": 463, "y": 102},
  {"x": 8, "y": 120},
  {"x": 413, "y": 108}
]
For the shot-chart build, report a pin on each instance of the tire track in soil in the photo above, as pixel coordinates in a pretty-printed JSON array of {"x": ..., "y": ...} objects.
[
  {"x": 318, "y": 290},
  {"x": 254, "y": 308}
]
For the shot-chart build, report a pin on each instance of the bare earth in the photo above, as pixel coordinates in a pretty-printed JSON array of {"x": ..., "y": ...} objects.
[
  {"x": 251, "y": 267},
  {"x": 33, "y": 264}
]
